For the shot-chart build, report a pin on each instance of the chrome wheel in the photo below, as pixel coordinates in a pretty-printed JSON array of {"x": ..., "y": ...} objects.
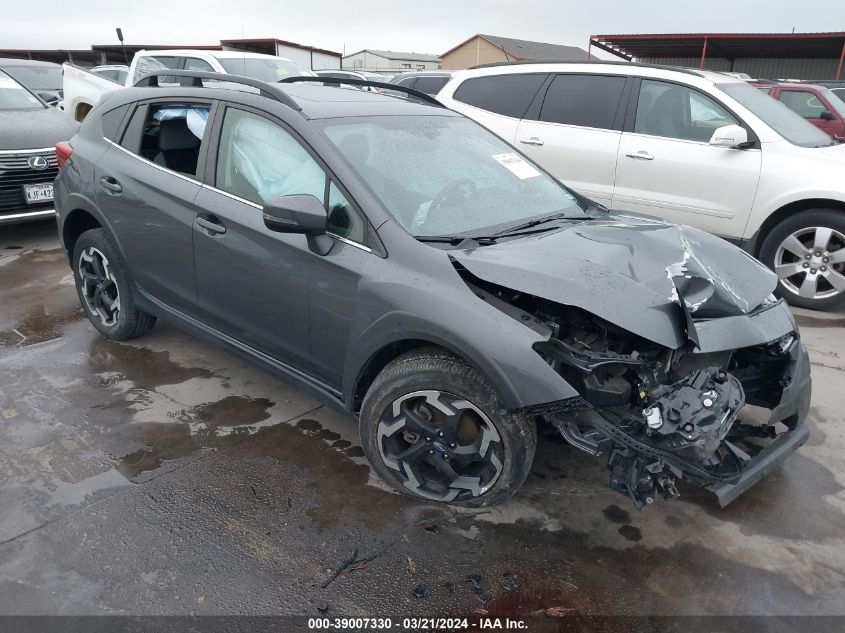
[
  {"x": 99, "y": 286},
  {"x": 443, "y": 446},
  {"x": 810, "y": 263}
]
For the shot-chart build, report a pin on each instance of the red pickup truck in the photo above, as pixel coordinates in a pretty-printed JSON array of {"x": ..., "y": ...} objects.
[{"x": 817, "y": 104}]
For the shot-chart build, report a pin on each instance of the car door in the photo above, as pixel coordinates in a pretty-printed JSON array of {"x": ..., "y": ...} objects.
[
  {"x": 150, "y": 201},
  {"x": 667, "y": 168},
  {"x": 266, "y": 289},
  {"x": 576, "y": 132}
]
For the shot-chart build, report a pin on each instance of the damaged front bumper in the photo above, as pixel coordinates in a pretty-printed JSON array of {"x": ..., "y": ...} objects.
[
  {"x": 687, "y": 428},
  {"x": 791, "y": 411}
]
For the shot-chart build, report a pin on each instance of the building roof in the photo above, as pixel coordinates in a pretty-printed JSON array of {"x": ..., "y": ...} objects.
[
  {"x": 724, "y": 45},
  {"x": 529, "y": 50},
  {"x": 394, "y": 55},
  {"x": 259, "y": 42}
]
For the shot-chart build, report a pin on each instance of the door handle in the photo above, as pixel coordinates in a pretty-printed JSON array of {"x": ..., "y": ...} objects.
[
  {"x": 211, "y": 226},
  {"x": 110, "y": 184},
  {"x": 533, "y": 140},
  {"x": 641, "y": 155}
]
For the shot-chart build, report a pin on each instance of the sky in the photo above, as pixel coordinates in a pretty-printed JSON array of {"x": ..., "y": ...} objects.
[{"x": 422, "y": 26}]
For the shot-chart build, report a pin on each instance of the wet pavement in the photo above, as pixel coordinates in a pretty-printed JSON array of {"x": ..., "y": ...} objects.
[{"x": 166, "y": 476}]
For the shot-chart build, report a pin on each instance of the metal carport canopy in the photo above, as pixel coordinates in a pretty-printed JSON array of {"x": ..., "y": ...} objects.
[{"x": 725, "y": 45}]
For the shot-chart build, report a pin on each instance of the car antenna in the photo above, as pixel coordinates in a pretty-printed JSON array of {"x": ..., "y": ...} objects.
[{"x": 122, "y": 47}]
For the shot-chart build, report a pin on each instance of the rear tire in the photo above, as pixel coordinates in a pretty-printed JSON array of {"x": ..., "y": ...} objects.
[
  {"x": 807, "y": 252},
  {"x": 102, "y": 284},
  {"x": 434, "y": 428}
]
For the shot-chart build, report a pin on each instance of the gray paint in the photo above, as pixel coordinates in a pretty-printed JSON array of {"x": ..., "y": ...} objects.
[{"x": 306, "y": 315}]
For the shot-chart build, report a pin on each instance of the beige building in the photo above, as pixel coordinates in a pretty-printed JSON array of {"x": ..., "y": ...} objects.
[{"x": 487, "y": 49}]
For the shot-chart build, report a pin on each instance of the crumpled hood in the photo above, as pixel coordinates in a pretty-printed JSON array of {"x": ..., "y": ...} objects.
[
  {"x": 646, "y": 276},
  {"x": 34, "y": 129}
]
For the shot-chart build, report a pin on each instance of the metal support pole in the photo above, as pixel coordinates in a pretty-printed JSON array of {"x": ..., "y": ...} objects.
[
  {"x": 703, "y": 54},
  {"x": 841, "y": 59}
]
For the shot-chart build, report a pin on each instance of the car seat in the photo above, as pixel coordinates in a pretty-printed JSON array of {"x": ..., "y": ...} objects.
[{"x": 178, "y": 147}]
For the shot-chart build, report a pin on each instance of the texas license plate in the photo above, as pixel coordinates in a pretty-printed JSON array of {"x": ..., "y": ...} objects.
[{"x": 38, "y": 193}]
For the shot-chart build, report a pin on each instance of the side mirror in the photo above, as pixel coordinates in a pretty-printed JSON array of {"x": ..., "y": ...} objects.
[
  {"x": 827, "y": 115},
  {"x": 295, "y": 214},
  {"x": 302, "y": 214},
  {"x": 732, "y": 136}
]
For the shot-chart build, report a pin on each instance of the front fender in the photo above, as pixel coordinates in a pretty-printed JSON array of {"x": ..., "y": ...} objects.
[{"x": 503, "y": 353}]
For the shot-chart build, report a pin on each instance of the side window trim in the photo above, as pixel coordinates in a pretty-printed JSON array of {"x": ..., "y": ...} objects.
[
  {"x": 212, "y": 151},
  {"x": 633, "y": 103}
]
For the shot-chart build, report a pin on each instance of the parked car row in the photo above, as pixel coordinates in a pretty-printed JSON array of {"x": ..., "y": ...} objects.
[
  {"x": 694, "y": 147},
  {"x": 450, "y": 313}
]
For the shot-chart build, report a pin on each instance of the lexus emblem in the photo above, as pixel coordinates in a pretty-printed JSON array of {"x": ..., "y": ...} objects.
[{"x": 37, "y": 162}]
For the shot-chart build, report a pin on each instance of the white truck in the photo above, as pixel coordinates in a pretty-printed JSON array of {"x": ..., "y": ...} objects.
[{"x": 83, "y": 89}]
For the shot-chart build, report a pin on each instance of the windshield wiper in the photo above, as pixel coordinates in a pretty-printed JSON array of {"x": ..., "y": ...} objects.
[{"x": 530, "y": 224}]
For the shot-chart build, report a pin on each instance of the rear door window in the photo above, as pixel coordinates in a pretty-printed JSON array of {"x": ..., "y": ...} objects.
[
  {"x": 584, "y": 100},
  {"x": 152, "y": 63},
  {"x": 168, "y": 134},
  {"x": 509, "y": 95}
]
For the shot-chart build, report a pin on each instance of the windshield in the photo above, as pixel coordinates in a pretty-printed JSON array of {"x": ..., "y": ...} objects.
[
  {"x": 14, "y": 97},
  {"x": 259, "y": 68},
  {"x": 446, "y": 176},
  {"x": 36, "y": 77},
  {"x": 777, "y": 116}
]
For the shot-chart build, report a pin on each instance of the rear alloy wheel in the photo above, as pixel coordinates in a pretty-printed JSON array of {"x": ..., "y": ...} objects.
[
  {"x": 807, "y": 253},
  {"x": 99, "y": 287},
  {"x": 102, "y": 284},
  {"x": 434, "y": 428}
]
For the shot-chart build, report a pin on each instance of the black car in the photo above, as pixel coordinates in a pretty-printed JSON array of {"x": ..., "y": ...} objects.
[
  {"x": 29, "y": 130},
  {"x": 43, "y": 79},
  {"x": 408, "y": 266},
  {"x": 427, "y": 81}
]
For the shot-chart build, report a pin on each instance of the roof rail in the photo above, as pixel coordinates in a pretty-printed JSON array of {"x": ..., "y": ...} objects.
[
  {"x": 266, "y": 89},
  {"x": 681, "y": 69},
  {"x": 363, "y": 82}
]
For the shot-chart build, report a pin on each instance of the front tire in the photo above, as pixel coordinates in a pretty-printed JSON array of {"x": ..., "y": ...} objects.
[
  {"x": 102, "y": 284},
  {"x": 434, "y": 428},
  {"x": 807, "y": 253}
]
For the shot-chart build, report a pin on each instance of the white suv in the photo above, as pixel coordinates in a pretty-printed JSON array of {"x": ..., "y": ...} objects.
[{"x": 694, "y": 147}]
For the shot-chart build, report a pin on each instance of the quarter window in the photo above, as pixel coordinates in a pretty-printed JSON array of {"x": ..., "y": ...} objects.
[
  {"x": 585, "y": 100},
  {"x": 674, "y": 111},
  {"x": 509, "y": 95},
  {"x": 344, "y": 221}
]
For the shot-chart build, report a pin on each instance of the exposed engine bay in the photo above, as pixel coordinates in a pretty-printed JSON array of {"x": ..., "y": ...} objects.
[{"x": 659, "y": 415}]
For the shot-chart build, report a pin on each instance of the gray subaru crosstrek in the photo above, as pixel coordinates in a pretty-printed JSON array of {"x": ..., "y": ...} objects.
[{"x": 408, "y": 266}]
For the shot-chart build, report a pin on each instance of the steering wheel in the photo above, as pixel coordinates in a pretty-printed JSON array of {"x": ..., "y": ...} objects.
[{"x": 456, "y": 191}]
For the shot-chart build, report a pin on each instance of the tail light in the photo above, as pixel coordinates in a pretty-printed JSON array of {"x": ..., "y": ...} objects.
[{"x": 63, "y": 153}]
